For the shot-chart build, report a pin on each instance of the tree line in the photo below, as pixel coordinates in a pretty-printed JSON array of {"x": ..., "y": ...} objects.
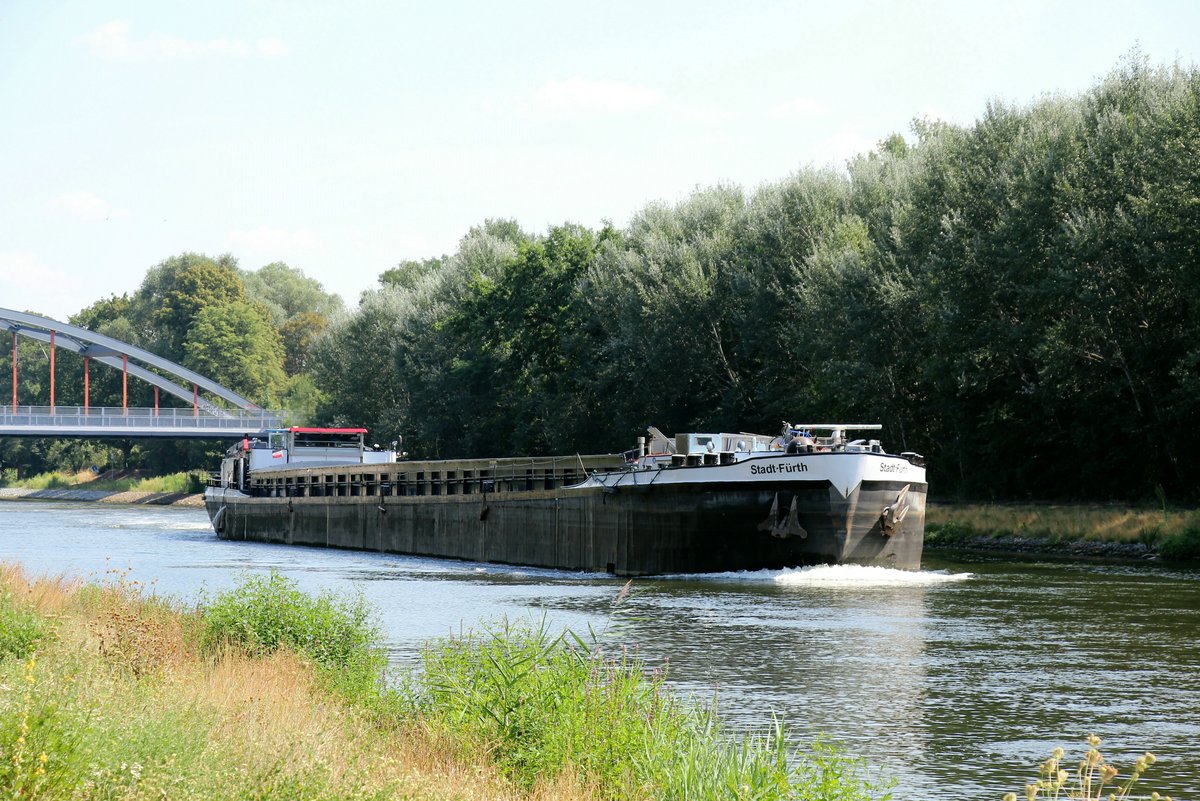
[
  {"x": 248, "y": 330},
  {"x": 1016, "y": 299}
]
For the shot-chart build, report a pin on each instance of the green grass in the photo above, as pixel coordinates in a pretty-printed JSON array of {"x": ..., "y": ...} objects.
[
  {"x": 1175, "y": 533},
  {"x": 183, "y": 482},
  {"x": 21, "y": 627},
  {"x": 264, "y": 613},
  {"x": 546, "y": 705},
  {"x": 113, "y": 694}
]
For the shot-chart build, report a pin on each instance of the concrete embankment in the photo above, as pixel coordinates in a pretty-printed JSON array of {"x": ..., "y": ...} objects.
[{"x": 102, "y": 496}]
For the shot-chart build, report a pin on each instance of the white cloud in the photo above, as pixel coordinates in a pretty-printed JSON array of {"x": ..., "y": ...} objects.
[
  {"x": 706, "y": 114},
  {"x": 25, "y": 282},
  {"x": 843, "y": 146},
  {"x": 274, "y": 240},
  {"x": 604, "y": 97},
  {"x": 798, "y": 108},
  {"x": 82, "y": 205},
  {"x": 114, "y": 42}
]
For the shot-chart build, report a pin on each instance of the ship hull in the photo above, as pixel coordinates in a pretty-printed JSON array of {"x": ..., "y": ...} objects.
[{"x": 697, "y": 527}]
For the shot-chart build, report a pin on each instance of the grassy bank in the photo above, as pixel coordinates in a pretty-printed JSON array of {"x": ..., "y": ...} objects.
[
  {"x": 1172, "y": 533},
  {"x": 265, "y": 692},
  {"x": 184, "y": 482}
]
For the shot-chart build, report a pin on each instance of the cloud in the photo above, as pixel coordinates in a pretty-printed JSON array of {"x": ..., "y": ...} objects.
[
  {"x": 114, "y": 42},
  {"x": 709, "y": 114},
  {"x": 22, "y": 274},
  {"x": 83, "y": 206},
  {"x": 843, "y": 146},
  {"x": 597, "y": 97},
  {"x": 274, "y": 240},
  {"x": 798, "y": 109}
]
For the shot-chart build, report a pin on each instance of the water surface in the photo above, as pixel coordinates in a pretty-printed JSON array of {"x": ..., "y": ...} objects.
[{"x": 957, "y": 681}]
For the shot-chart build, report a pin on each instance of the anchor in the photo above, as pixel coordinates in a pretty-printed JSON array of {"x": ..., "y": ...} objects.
[
  {"x": 893, "y": 514},
  {"x": 787, "y": 526}
]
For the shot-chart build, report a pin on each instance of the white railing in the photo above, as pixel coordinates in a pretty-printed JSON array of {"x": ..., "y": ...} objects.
[{"x": 115, "y": 418}]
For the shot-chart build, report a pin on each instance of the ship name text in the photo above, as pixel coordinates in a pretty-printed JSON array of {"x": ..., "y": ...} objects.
[{"x": 778, "y": 467}]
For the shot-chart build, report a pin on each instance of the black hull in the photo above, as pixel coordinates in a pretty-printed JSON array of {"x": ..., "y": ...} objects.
[{"x": 702, "y": 528}]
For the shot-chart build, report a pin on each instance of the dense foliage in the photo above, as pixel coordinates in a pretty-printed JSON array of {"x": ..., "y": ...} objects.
[
  {"x": 1016, "y": 299},
  {"x": 247, "y": 330}
]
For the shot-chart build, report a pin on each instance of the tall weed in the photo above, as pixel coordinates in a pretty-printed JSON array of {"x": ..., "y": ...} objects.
[
  {"x": 263, "y": 613},
  {"x": 544, "y": 706},
  {"x": 1093, "y": 777},
  {"x": 21, "y": 627}
]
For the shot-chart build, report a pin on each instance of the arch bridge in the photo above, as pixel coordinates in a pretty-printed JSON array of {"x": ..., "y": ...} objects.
[{"x": 202, "y": 419}]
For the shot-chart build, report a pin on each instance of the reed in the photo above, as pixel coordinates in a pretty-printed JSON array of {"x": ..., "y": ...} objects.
[
  {"x": 544, "y": 705},
  {"x": 1174, "y": 532},
  {"x": 115, "y": 693}
]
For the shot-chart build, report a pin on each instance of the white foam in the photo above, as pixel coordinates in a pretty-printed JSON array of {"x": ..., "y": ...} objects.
[{"x": 841, "y": 576}]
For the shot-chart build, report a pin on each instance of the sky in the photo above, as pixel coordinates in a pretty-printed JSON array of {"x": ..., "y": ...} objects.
[{"x": 342, "y": 138}]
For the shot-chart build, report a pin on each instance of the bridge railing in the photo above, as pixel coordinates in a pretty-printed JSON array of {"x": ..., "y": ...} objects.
[{"x": 117, "y": 418}]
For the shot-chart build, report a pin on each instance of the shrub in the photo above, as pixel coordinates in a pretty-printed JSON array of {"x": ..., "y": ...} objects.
[
  {"x": 266, "y": 612},
  {"x": 21, "y": 628},
  {"x": 1184, "y": 545}
]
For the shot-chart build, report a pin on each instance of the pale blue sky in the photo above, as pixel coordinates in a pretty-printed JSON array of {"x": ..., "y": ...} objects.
[{"x": 342, "y": 138}]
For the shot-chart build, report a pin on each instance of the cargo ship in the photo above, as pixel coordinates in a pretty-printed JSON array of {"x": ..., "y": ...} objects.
[{"x": 692, "y": 503}]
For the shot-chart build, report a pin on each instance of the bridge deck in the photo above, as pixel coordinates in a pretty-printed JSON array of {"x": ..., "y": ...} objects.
[{"x": 98, "y": 421}]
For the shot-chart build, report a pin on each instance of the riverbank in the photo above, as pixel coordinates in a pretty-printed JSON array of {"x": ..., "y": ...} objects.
[
  {"x": 134, "y": 497},
  {"x": 109, "y": 691},
  {"x": 1092, "y": 531}
]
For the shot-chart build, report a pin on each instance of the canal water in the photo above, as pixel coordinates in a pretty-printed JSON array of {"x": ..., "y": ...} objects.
[{"x": 956, "y": 681}]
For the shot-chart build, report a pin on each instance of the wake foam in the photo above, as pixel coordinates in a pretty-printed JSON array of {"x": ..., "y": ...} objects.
[{"x": 840, "y": 576}]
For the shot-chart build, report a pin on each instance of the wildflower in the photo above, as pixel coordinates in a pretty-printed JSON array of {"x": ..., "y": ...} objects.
[
  {"x": 43, "y": 758},
  {"x": 1150, "y": 758},
  {"x": 1063, "y": 776},
  {"x": 1013, "y": 797},
  {"x": 1031, "y": 792},
  {"x": 1058, "y": 753},
  {"x": 1093, "y": 740}
]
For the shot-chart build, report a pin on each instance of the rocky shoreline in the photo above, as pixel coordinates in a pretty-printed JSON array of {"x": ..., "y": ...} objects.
[
  {"x": 1036, "y": 546},
  {"x": 102, "y": 496}
]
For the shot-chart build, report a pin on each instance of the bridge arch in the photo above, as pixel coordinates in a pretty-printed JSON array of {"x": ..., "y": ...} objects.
[
  {"x": 114, "y": 353},
  {"x": 131, "y": 360}
]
